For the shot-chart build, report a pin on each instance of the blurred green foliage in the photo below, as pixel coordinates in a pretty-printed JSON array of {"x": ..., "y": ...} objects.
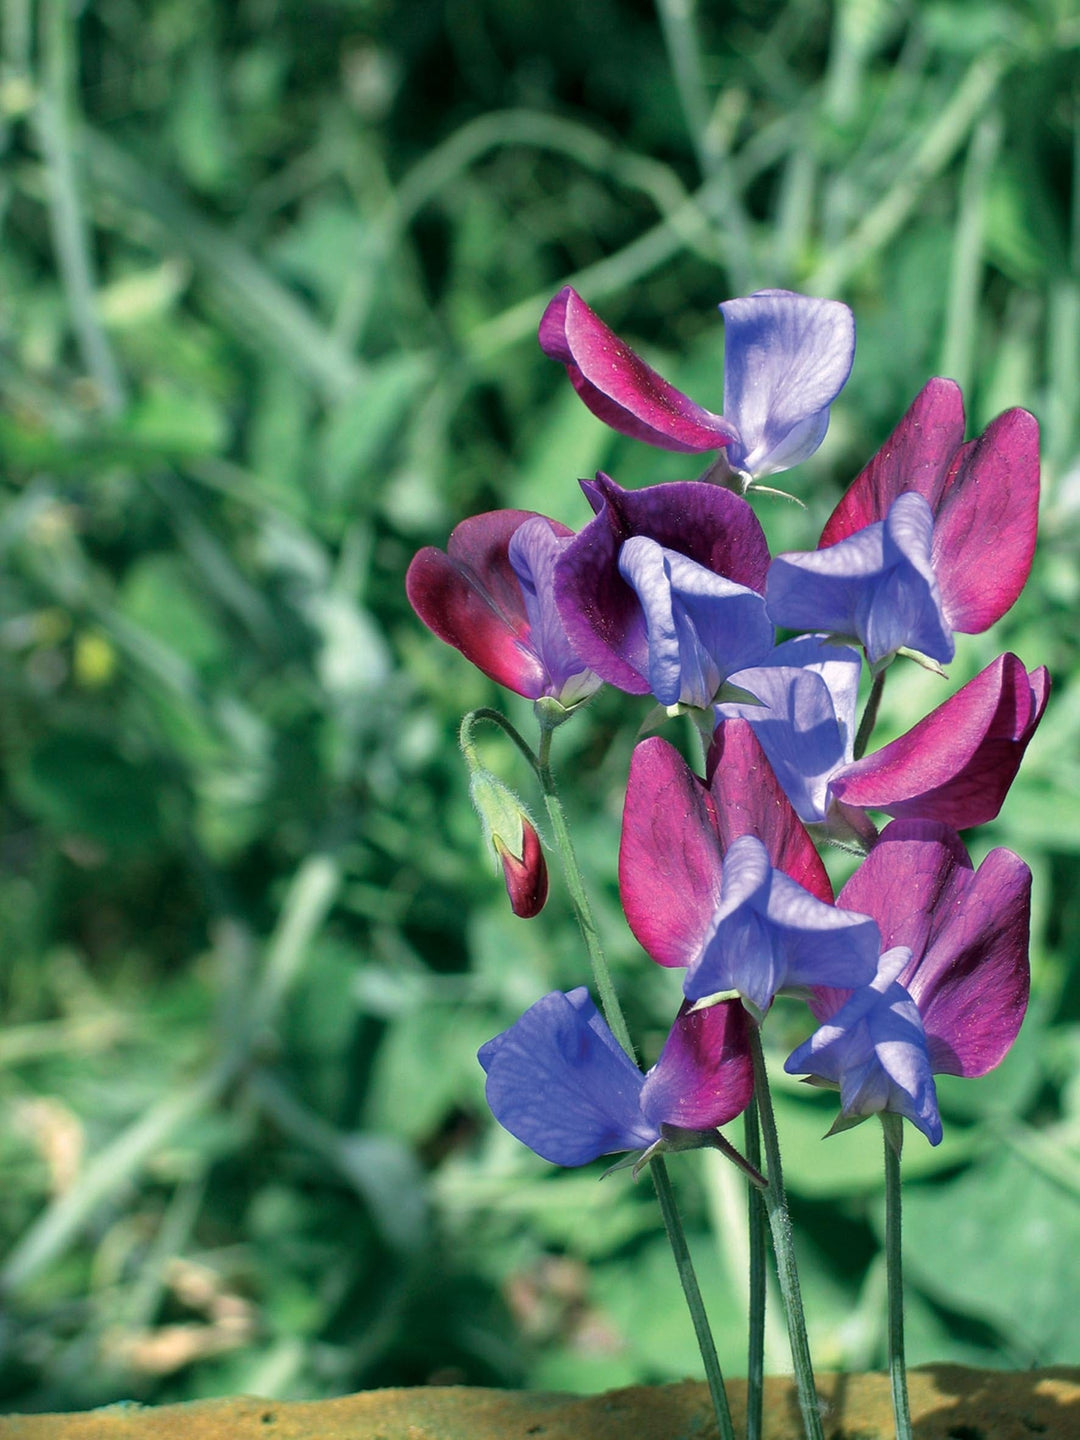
[{"x": 271, "y": 272}]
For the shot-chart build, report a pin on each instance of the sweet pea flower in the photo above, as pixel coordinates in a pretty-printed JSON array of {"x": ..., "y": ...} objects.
[
  {"x": 956, "y": 765},
  {"x": 934, "y": 536},
  {"x": 786, "y": 358},
  {"x": 489, "y": 594},
  {"x": 560, "y": 1082},
  {"x": 661, "y": 590},
  {"x": 955, "y": 968},
  {"x": 724, "y": 881}
]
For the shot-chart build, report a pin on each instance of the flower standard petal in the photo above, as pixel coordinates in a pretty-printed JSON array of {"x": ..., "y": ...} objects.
[
  {"x": 704, "y": 1076},
  {"x": 786, "y": 358},
  {"x": 916, "y": 456},
  {"x": 602, "y": 614},
  {"x": 669, "y": 855},
  {"x": 984, "y": 531},
  {"x": 957, "y": 764},
  {"x": 748, "y": 799},
  {"x": 559, "y": 1082},
  {"x": 617, "y": 385}
]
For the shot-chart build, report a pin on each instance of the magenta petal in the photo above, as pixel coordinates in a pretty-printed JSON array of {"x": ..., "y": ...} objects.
[
  {"x": 669, "y": 855},
  {"x": 968, "y": 934},
  {"x": 704, "y": 1075},
  {"x": 601, "y": 612},
  {"x": 617, "y": 385},
  {"x": 958, "y": 763},
  {"x": 916, "y": 456},
  {"x": 749, "y": 800},
  {"x": 972, "y": 985},
  {"x": 470, "y": 597},
  {"x": 984, "y": 531}
]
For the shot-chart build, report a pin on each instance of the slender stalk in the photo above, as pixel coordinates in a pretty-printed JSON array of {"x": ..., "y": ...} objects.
[
  {"x": 71, "y": 242},
  {"x": 757, "y": 1218},
  {"x": 892, "y": 1125},
  {"x": 613, "y": 1013},
  {"x": 870, "y": 714},
  {"x": 609, "y": 1001},
  {"x": 694, "y": 1302},
  {"x": 494, "y": 717},
  {"x": 783, "y": 1245}
]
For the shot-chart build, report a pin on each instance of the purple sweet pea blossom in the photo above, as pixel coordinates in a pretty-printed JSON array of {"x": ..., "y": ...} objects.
[
  {"x": 877, "y": 586},
  {"x": 786, "y": 358},
  {"x": 706, "y": 878},
  {"x": 965, "y": 936},
  {"x": 673, "y": 612},
  {"x": 874, "y": 1051},
  {"x": 933, "y": 537},
  {"x": 805, "y": 722},
  {"x": 489, "y": 594},
  {"x": 956, "y": 765},
  {"x": 559, "y": 1081},
  {"x": 699, "y": 627},
  {"x": 984, "y": 497}
]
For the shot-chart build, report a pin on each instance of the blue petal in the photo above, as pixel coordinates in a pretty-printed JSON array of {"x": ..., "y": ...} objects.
[
  {"x": 700, "y": 626},
  {"x": 806, "y": 721},
  {"x": 786, "y": 358},
  {"x": 558, "y": 1080},
  {"x": 874, "y": 1048},
  {"x": 534, "y": 549},
  {"x": 769, "y": 934},
  {"x": 877, "y": 585}
]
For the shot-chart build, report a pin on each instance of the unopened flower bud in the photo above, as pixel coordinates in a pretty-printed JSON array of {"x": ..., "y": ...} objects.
[{"x": 526, "y": 874}]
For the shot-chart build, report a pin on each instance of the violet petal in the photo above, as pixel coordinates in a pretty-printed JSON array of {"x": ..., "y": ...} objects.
[
  {"x": 562, "y": 1086},
  {"x": 601, "y": 612},
  {"x": 786, "y": 358},
  {"x": 704, "y": 1076}
]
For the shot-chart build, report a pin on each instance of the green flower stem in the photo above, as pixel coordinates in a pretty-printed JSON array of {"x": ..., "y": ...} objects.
[
  {"x": 613, "y": 1013},
  {"x": 694, "y": 1303},
  {"x": 757, "y": 1220},
  {"x": 783, "y": 1245},
  {"x": 893, "y": 1125},
  {"x": 493, "y": 717},
  {"x": 609, "y": 1001},
  {"x": 869, "y": 715}
]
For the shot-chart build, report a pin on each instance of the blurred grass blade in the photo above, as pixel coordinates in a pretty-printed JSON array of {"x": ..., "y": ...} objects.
[
  {"x": 53, "y": 117},
  {"x": 259, "y": 305}
]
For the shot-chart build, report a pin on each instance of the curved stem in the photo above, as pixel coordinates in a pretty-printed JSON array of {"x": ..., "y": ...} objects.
[
  {"x": 755, "y": 1369},
  {"x": 694, "y": 1303},
  {"x": 497, "y": 718},
  {"x": 869, "y": 715},
  {"x": 783, "y": 1245},
  {"x": 892, "y": 1125}
]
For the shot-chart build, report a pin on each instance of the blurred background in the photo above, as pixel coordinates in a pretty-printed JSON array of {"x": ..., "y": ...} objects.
[{"x": 271, "y": 272}]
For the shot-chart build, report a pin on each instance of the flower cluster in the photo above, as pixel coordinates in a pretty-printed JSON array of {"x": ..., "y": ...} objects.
[{"x": 919, "y": 966}]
